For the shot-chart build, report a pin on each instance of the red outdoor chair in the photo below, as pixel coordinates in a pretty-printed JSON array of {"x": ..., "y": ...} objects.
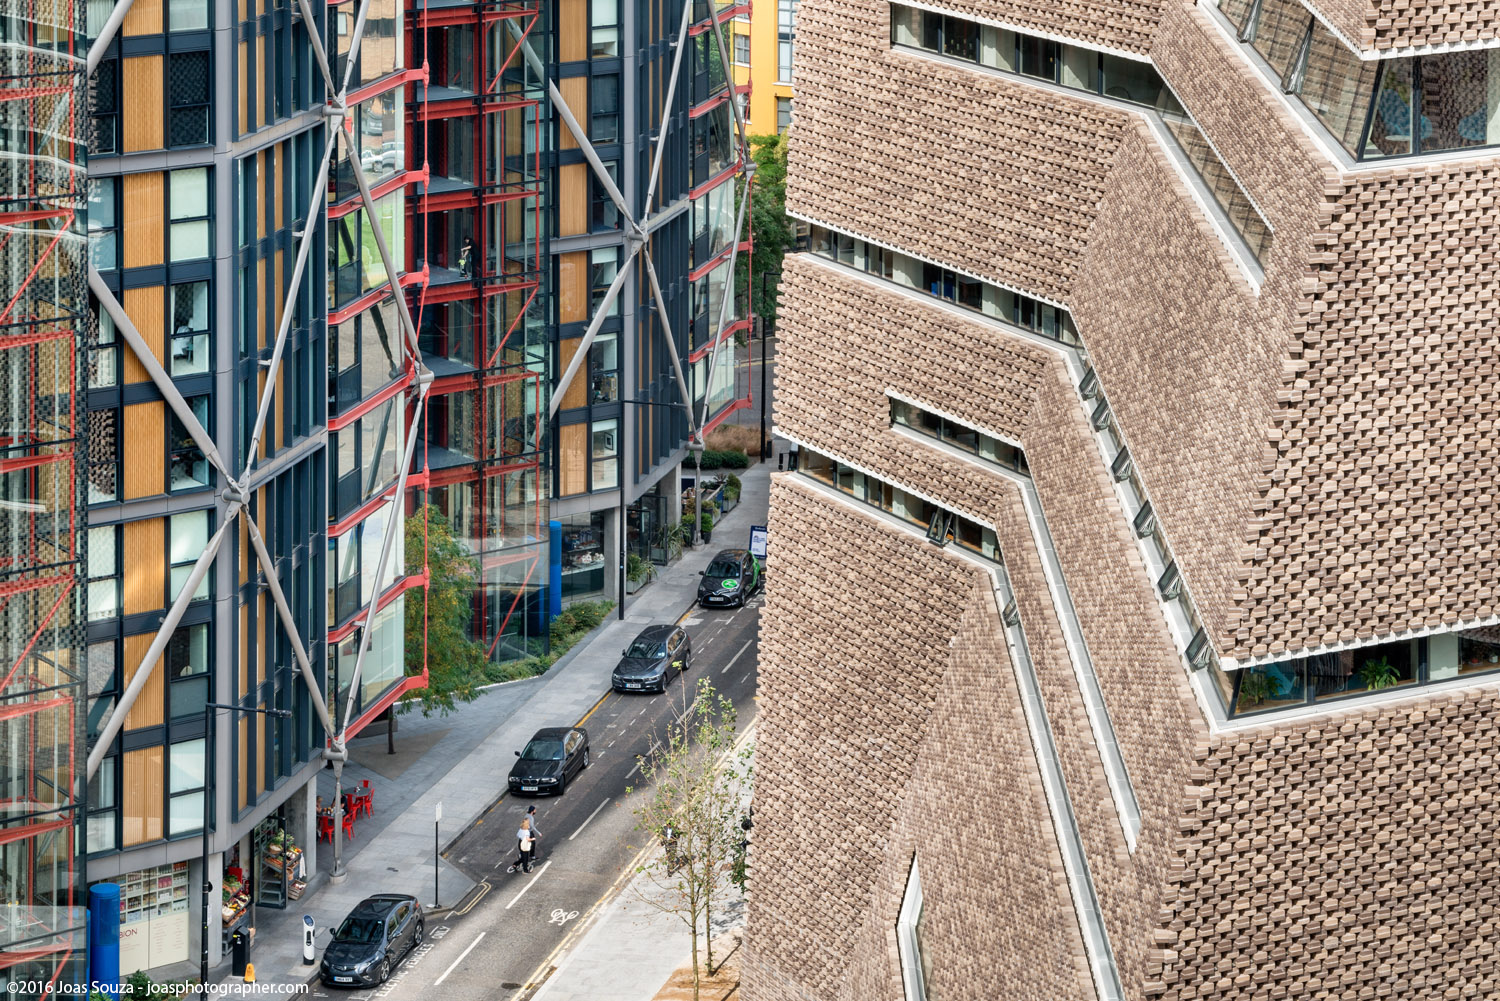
[
  {"x": 367, "y": 798},
  {"x": 325, "y": 828},
  {"x": 349, "y": 824}
]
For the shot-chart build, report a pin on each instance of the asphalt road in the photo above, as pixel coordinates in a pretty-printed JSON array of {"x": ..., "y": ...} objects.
[{"x": 502, "y": 941}]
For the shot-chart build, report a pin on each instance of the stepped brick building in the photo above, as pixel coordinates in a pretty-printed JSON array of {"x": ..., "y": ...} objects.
[{"x": 1136, "y": 629}]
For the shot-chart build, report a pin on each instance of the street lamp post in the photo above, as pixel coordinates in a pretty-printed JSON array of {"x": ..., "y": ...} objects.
[
  {"x": 764, "y": 451},
  {"x": 208, "y": 791},
  {"x": 624, "y": 470}
]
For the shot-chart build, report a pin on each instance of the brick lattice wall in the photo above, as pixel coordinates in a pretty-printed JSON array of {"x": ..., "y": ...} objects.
[
  {"x": 991, "y": 177},
  {"x": 1349, "y": 857}
]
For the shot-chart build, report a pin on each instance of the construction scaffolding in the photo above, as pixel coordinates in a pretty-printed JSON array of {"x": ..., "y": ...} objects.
[
  {"x": 477, "y": 132},
  {"x": 43, "y": 310}
]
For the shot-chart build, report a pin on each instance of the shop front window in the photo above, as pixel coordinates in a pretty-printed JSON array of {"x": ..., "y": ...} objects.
[{"x": 583, "y": 557}]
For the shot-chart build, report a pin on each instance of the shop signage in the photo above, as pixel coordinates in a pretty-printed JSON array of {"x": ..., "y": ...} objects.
[{"x": 758, "y": 541}]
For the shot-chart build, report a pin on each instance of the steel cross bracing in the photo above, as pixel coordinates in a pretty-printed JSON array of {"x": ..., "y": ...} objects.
[
  {"x": 637, "y": 241},
  {"x": 235, "y": 493}
]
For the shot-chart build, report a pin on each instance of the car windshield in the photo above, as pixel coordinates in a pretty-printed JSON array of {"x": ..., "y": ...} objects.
[
  {"x": 543, "y": 750},
  {"x": 644, "y": 648},
  {"x": 724, "y": 568},
  {"x": 359, "y": 929}
]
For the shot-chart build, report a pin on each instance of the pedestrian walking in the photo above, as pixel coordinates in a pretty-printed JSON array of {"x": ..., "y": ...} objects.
[{"x": 525, "y": 841}]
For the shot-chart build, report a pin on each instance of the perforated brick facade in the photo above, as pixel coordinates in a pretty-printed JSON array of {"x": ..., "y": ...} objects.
[
  {"x": 1384, "y": 25},
  {"x": 1317, "y": 433}
]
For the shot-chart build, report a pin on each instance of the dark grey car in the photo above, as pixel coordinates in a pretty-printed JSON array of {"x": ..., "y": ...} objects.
[
  {"x": 373, "y": 939},
  {"x": 553, "y": 755},
  {"x": 658, "y": 654}
]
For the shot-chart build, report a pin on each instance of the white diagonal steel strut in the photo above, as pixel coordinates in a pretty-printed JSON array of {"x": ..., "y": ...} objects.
[
  {"x": 107, "y": 34},
  {"x": 726, "y": 298},
  {"x": 397, "y": 501},
  {"x": 581, "y": 355},
  {"x": 592, "y": 156},
  {"x": 734, "y": 99},
  {"x": 666, "y": 117},
  {"x": 666, "y": 327},
  {"x": 289, "y": 304},
  {"x": 153, "y": 653},
  {"x": 384, "y": 247},
  {"x": 288, "y": 622},
  {"x": 163, "y": 382},
  {"x": 311, "y": 27}
]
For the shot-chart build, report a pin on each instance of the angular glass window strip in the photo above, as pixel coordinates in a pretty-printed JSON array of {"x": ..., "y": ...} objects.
[
  {"x": 975, "y": 442},
  {"x": 939, "y": 524},
  {"x": 981, "y": 297},
  {"x": 187, "y": 318},
  {"x": 1226, "y": 191},
  {"x": 1072, "y": 66},
  {"x": 189, "y": 469},
  {"x": 1424, "y": 104}
]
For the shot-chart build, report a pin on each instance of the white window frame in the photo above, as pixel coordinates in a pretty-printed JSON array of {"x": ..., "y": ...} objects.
[{"x": 906, "y": 937}]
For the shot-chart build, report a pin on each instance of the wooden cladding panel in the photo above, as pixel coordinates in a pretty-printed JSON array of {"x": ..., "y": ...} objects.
[
  {"x": 242, "y": 752},
  {"x": 146, "y": 308},
  {"x": 146, "y": 432},
  {"x": 577, "y": 394},
  {"x": 145, "y": 784},
  {"x": 573, "y": 287},
  {"x": 574, "y": 442},
  {"x": 145, "y": 562},
  {"x": 144, "y": 18},
  {"x": 575, "y": 91},
  {"x": 242, "y": 61},
  {"x": 141, "y": 78},
  {"x": 573, "y": 199},
  {"x": 573, "y": 31},
  {"x": 149, "y": 708},
  {"x": 143, "y": 211}
]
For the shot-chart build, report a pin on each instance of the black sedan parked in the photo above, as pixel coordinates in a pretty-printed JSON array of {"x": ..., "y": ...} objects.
[
  {"x": 552, "y": 756},
  {"x": 732, "y": 577},
  {"x": 657, "y": 655},
  {"x": 376, "y": 936}
]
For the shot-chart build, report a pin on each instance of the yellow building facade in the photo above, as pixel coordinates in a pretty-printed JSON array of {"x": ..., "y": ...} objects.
[{"x": 762, "y": 57}]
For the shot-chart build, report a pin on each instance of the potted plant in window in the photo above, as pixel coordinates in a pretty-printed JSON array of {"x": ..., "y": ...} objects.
[
  {"x": 1256, "y": 687},
  {"x": 1378, "y": 674}
]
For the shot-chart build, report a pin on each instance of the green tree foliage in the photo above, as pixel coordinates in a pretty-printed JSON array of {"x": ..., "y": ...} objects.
[
  {"x": 455, "y": 663},
  {"x": 694, "y": 784},
  {"x": 773, "y": 231}
]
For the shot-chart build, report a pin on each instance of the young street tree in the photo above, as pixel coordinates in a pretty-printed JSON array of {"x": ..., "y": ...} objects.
[
  {"x": 774, "y": 233},
  {"x": 694, "y": 783},
  {"x": 455, "y": 663}
]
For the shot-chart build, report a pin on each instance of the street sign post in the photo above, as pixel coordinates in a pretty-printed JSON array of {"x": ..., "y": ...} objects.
[{"x": 758, "y": 541}]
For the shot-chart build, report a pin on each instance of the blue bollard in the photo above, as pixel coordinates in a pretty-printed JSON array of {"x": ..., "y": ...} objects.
[{"x": 104, "y": 938}]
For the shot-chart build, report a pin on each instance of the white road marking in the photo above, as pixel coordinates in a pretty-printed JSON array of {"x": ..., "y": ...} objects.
[
  {"x": 744, "y": 679},
  {"x": 725, "y": 669},
  {"x": 588, "y": 818},
  {"x": 635, "y": 768},
  {"x": 522, "y": 893},
  {"x": 461, "y": 957}
]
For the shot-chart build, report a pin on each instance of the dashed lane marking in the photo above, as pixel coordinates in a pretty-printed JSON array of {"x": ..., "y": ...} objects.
[
  {"x": 726, "y": 667},
  {"x": 528, "y": 886},
  {"x": 588, "y": 818},
  {"x": 461, "y": 957}
]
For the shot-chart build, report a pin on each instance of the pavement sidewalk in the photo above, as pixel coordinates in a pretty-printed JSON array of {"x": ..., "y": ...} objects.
[
  {"x": 462, "y": 761},
  {"x": 607, "y": 962}
]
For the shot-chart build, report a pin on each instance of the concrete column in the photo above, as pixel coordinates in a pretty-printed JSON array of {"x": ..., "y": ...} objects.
[
  {"x": 195, "y": 910},
  {"x": 302, "y": 823},
  {"x": 674, "y": 506},
  {"x": 614, "y": 534}
]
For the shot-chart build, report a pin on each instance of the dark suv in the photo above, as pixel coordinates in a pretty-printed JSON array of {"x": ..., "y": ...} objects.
[
  {"x": 730, "y": 579},
  {"x": 376, "y": 936}
]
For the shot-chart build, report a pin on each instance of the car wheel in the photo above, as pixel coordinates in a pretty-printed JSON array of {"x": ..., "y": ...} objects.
[
  {"x": 562, "y": 784},
  {"x": 421, "y": 930},
  {"x": 384, "y": 973},
  {"x": 585, "y": 757}
]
